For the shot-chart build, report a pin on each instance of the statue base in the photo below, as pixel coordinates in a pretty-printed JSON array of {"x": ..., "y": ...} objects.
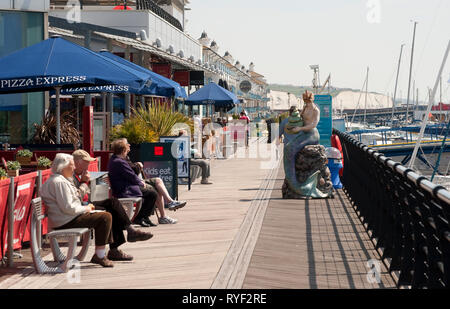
[{"x": 309, "y": 160}]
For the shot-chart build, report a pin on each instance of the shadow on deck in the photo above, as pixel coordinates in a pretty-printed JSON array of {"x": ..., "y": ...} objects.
[{"x": 313, "y": 244}]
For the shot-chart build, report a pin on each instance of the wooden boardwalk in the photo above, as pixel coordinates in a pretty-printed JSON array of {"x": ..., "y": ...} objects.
[
  {"x": 309, "y": 244},
  {"x": 238, "y": 233}
]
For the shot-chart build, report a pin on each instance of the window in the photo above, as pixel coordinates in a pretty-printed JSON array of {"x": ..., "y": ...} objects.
[{"x": 19, "y": 30}]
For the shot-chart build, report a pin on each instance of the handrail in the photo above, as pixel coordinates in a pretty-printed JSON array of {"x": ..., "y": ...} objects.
[
  {"x": 152, "y": 6},
  {"x": 408, "y": 215},
  {"x": 439, "y": 191}
]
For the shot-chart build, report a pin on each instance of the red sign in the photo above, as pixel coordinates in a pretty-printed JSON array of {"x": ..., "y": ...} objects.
[
  {"x": 24, "y": 189},
  {"x": 4, "y": 188},
  {"x": 159, "y": 151},
  {"x": 164, "y": 69},
  {"x": 45, "y": 175},
  {"x": 182, "y": 77},
  {"x": 88, "y": 129}
]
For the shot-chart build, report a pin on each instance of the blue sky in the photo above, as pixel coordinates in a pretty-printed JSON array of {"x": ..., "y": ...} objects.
[{"x": 284, "y": 37}]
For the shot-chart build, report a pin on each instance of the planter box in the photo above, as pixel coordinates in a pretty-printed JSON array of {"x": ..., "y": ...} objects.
[
  {"x": 42, "y": 168},
  {"x": 24, "y": 160},
  {"x": 13, "y": 173}
]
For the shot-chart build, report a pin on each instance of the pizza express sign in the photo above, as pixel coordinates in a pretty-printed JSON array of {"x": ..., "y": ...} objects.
[
  {"x": 245, "y": 86},
  {"x": 109, "y": 88},
  {"x": 40, "y": 81}
]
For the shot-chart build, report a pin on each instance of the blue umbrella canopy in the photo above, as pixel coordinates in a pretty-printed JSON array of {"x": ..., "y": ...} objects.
[
  {"x": 161, "y": 85},
  {"x": 56, "y": 62},
  {"x": 212, "y": 94}
]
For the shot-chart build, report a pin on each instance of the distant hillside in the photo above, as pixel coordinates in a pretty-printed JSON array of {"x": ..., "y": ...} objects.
[{"x": 298, "y": 90}]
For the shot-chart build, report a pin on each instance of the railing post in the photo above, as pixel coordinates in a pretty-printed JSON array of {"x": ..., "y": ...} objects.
[
  {"x": 39, "y": 227},
  {"x": 11, "y": 223}
]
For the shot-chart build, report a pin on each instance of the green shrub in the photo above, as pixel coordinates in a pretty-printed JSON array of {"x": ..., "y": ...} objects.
[
  {"x": 3, "y": 173},
  {"x": 134, "y": 130},
  {"x": 25, "y": 153},
  {"x": 13, "y": 165},
  {"x": 44, "y": 162}
]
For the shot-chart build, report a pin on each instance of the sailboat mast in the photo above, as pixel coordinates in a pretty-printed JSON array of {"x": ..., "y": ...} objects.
[
  {"x": 430, "y": 103},
  {"x": 410, "y": 70},
  {"x": 396, "y": 81},
  {"x": 367, "y": 87}
]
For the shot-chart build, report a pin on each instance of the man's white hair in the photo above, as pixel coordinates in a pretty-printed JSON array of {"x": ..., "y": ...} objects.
[{"x": 61, "y": 161}]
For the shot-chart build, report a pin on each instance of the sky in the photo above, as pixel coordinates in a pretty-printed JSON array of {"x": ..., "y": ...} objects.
[{"x": 344, "y": 37}]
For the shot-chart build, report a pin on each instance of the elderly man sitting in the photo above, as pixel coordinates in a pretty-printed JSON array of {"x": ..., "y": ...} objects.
[
  {"x": 65, "y": 210},
  {"x": 120, "y": 221}
]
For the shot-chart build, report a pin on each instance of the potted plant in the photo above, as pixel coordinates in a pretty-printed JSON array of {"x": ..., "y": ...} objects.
[
  {"x": 13, "y": 168},
  {"x": 3, "y": 174},
  {"x": 43, "y": 163},
  {"x": 24, "y": 156}
]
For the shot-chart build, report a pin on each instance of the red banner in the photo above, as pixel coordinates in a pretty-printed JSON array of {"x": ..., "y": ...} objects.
[
  {"x": 182, "y": 77},
  {"x": 164, "y": 69},
  {"x": 4, "y": 188},
  {"x": 24, "y": 188},
  {"x": 45, "y": 175},
  {"x": 44, "y": 223}
]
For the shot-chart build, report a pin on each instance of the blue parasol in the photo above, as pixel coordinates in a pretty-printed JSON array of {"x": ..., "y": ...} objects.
[{"x": 56, "y": 63}]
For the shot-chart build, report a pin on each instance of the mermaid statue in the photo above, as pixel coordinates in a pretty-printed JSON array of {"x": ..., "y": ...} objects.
[{"x": 301, "y": 130}]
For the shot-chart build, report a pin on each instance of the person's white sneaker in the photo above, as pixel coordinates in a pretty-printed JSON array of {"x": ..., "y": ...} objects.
[{"x": 167, "y": 220}]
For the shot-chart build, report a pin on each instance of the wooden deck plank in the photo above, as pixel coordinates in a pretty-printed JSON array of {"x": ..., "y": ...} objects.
[
  {"x": 188, "y": 254},
  {"x": 311, "y": 244},
  {"x": 238, "y": 233}
]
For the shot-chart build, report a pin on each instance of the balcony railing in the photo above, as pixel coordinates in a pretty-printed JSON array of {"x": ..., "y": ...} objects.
[
  {"x": 138, "y": 4},
  {"x": 95, "y": 2},
  {"x": 152, "y": 6}
]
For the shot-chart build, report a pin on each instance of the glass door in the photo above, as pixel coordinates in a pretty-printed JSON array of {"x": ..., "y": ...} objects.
[{"x": 101, "y": 131}]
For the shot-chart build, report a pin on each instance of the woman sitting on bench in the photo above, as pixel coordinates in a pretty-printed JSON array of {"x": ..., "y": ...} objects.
[
  {"x": 126, "y": 183},
  {"x": 65, "y": 210}
]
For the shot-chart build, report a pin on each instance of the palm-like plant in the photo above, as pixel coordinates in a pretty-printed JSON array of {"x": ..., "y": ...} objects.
[
  {"x": 134, "y": 130},
  {"x": 45, "y": 133},
  {"x": 160, "y": 119},
  {"x": 147, "y": 124}
]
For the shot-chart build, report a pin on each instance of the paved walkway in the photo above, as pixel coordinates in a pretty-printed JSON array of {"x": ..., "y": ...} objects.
[{"x": 238, "y": 233}]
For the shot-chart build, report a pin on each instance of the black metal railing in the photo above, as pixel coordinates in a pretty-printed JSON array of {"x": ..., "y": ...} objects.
[
  {"x": 152, "y": 6},
  {"x": 406, "y": 214}
]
